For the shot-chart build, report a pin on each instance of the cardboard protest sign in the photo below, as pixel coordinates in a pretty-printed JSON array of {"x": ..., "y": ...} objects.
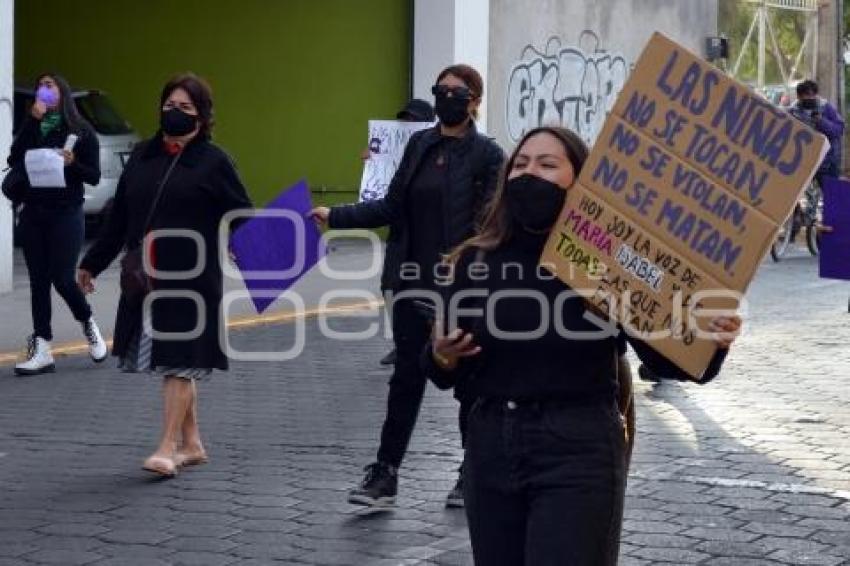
[
  {"x": 387, "y": 140},
  {"x": 835, "y": 244},
  {"x": 278, "y": 246},
  {"x": 682, "y": 195}
]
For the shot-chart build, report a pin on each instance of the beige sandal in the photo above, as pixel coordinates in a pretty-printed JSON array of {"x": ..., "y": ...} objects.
[
  {"x": 184, "y": 460},
  {"x": 164, "y": 467}
]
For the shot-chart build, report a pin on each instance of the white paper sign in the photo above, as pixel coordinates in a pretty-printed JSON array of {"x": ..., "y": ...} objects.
[
  {"x": 45, "y": 168},
  {"x": 387, "y": 140}
]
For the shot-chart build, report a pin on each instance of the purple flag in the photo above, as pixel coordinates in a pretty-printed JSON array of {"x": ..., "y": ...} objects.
[
  {"x": 835, "y": 245},
  {"x": 278, "y": 246}
]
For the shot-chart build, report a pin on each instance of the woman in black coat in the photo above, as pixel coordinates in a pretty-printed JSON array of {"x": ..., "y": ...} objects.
[
  {"x": 433, "y": 203},
  {"x": 176, "y": 337},
  {"x": 545, "y": 457},
  {"x": 52, "y": 224}
]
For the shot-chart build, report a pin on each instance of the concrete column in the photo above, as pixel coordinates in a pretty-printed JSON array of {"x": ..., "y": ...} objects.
[
  {"x": 7, "y": 42},
  {"x": 830, "y": 62},
  {"x": 829, "y": 51},
  {"x": 447, "y": 32}
]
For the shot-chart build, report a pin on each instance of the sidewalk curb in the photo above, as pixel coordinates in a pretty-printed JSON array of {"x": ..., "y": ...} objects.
[{"x": 73, "y": 348}]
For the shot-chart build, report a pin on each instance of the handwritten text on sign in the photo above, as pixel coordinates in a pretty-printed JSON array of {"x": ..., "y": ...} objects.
[
  {"x": 679, "y": 200},
  {"x": 387, "y": 140}
]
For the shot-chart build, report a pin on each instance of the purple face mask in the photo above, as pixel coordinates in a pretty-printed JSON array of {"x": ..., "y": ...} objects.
[{"x": 47, "y": 96}]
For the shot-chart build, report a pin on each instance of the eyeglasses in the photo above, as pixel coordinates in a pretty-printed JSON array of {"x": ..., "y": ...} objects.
[{"x": 453, "y": 91}]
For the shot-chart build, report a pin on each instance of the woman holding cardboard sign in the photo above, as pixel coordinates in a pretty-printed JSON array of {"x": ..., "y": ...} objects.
[
  {"x": 53, "y": 154},
  {"x": 545, "y": 459}
]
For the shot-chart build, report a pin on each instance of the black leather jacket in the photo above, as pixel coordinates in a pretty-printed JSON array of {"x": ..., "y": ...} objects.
[{"x": 473, "y": 171}]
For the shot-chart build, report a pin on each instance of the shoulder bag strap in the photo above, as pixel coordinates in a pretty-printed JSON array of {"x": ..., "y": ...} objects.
[{"x": 158, "y": 195}]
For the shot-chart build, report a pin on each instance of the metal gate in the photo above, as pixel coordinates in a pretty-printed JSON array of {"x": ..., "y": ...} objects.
[{"x": 762, "y": 25}]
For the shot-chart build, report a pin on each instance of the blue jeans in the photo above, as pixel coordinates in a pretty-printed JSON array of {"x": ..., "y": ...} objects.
[
  {"x": 544, "y": 483},
  {"x": 52, "y": 239}
]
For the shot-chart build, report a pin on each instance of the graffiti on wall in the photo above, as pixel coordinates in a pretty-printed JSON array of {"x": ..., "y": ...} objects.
[{"x": 574, "y": 86}]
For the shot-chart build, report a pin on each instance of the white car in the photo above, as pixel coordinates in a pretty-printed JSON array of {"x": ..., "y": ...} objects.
[{"x": 116, "y": 138}]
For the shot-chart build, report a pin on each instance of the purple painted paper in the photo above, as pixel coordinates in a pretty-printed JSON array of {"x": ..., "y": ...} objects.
[
  {"x": 835, "y": 245},
  {"x": 267, "y": 244}
]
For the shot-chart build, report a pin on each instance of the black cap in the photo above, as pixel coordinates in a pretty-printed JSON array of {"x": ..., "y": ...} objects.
[{"x": 417, "y": 110}]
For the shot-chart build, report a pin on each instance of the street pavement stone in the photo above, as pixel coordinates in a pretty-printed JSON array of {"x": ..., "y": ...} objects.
[{"x": 753, "y": 468}]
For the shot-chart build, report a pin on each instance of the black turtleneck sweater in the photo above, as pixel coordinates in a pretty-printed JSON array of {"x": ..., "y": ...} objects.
[
  {"x": 425, "y": 211},
  {"x": 579, "y": 366}
]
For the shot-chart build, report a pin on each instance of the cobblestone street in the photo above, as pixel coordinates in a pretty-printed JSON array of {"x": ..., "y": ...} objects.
[{"x": 751, "y": 469}]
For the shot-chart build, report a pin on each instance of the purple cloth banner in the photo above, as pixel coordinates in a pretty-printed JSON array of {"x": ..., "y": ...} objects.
[
  {"x": 835, "y": 245},
  {"x": 278, "y": 246}
]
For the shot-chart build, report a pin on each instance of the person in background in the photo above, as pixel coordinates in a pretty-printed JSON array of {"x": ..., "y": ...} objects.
[
  {"x": 197, "y": 185},
  {"x": 546, "y": 454},
  {"x": 433, "y": 203},
  {"x": 52, "y": 222},
  {"x": 822, "y": 116},
  {"x": 416, "y": 110}
]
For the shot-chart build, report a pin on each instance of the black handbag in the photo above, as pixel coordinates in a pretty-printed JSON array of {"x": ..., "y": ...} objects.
[
  {"x": 135, "y": 281},
  {"x": 15, "y": 185}
]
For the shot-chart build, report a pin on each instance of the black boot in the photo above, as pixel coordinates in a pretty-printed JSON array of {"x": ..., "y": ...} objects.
[
  {"x": 378, "y": 488},
  {"x": 455, "y": 496},
  {"x": 389, "y": 359}
]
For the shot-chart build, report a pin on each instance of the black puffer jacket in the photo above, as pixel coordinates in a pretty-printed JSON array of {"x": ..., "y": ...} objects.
[{"x": 473, "y": 171}]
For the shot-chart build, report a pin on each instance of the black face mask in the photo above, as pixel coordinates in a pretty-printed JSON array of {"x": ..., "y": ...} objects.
[
  {"x": 175, "y": 122},
  {"x": 533, "y": 202},
  {"x": 452, "y": 111}
]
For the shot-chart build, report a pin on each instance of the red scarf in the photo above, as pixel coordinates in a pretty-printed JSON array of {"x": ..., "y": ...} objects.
[{"x": 171, "y": 148}]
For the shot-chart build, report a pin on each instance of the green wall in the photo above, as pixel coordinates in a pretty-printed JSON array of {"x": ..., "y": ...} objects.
[{"x": 294, "y": 81}]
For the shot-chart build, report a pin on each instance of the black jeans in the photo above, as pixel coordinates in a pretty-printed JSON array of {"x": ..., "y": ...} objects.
[
  {"x": 544, "y": 483},
  {"x": 411, "y": 333},
  {"x": 52, "y": 239}
]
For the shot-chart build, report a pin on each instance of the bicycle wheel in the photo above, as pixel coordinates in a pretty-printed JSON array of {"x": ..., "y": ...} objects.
[
  {"x": 813, "y": 238},
  {"x": 783, "y": 239},
  {"x": 814, "y": 218}
]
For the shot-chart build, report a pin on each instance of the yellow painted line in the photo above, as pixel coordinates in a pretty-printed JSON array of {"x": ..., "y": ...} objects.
[
  {"x": 289, "y": 316},
  {"x": 251, "y": 321}
]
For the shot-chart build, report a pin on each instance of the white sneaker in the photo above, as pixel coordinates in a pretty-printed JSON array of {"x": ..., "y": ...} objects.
[
  {"x": 39, "y": 359},
  {"x": 97, "y": 346}
]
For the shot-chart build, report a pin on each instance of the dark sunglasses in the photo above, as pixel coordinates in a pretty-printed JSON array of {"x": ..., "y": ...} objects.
[{"x": 454, "y": 91}]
